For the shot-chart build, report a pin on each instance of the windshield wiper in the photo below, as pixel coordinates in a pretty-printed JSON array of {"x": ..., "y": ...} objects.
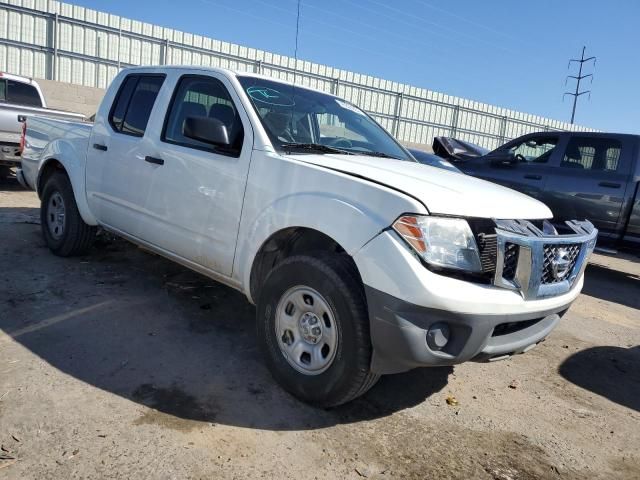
[
  {"x": 314, "y": 147},
  {"x": 377, "y": 154}
]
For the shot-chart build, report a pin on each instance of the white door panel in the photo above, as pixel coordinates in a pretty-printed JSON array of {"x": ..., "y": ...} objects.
[{"x": 195, "y": 198}]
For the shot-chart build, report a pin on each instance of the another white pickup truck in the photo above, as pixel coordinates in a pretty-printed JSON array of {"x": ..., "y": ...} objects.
[
  {"x": 360, "y": 260},
  {"x": 20, "y": 98}
]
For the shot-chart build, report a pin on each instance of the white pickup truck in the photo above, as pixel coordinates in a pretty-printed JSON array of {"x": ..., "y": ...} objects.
[
  {"x": 20, "y": 98},
  {"x": 360, "y": 260}
]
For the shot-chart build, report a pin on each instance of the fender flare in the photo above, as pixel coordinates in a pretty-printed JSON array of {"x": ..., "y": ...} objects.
[{"x": 73, "y": 162}]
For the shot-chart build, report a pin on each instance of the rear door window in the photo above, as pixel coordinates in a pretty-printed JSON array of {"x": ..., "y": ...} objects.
[
  {"x": 601, "y": 154},
  {"x": 22, "y": 94},
  {"x": 132, "y": 108}
]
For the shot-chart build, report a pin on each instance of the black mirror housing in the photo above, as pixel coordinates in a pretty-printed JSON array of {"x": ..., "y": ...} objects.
[{"x": 207, "y": 130}]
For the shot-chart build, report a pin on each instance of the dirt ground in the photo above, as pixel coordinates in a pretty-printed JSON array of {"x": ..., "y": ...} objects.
[{"x": 121, "y": 364}]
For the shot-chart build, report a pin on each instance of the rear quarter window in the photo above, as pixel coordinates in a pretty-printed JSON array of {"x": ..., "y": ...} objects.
[{"x": 22, "y": 94}]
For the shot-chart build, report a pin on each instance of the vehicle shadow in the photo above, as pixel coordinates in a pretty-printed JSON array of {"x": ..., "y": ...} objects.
[
  {"x": 143, "y": 328},
  {"x": 612, "y": 372},
  {"x": 9, "y": 183},
  {"x": 612, "y": 285}
]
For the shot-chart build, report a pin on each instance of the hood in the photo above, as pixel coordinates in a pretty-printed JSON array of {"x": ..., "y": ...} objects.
[{"x": 441, "y": 191}]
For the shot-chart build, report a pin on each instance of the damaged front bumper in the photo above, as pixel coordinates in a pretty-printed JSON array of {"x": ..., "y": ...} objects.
[{"x": 423, "y": 318}]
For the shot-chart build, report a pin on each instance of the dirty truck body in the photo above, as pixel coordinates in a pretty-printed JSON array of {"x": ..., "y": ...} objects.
[{"x": 360, "y": 260}]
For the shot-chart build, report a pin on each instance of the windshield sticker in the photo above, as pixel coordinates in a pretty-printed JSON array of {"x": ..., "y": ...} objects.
[
  {"x": 270, "y": 96},
  {"x": 348, "y": 106}
]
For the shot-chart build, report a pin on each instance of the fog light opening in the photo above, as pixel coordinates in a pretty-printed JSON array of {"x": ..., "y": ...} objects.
[{"x": 438, "y": 336}]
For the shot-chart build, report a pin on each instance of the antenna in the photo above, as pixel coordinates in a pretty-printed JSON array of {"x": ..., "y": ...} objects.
[
  {"x": 578, "y": 78},
  {"x": 295, "y": 64}
]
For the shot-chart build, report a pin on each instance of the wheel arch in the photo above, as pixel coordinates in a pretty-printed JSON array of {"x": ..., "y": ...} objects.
[
  {"x": 285, "y": 243},
  {"x": 75, "y": 172}
]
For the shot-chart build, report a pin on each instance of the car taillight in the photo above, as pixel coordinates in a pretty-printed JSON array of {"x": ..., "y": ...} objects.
[{"x": 22, "y": 137}]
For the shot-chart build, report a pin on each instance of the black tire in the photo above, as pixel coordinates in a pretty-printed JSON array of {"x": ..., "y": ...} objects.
[
  {"x": 76, "y": 236},
  {"x": 334, "y": 277}
]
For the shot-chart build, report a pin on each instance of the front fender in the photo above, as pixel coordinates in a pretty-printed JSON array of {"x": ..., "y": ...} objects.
[
  {"x": 73, "y": 158},
  {"x": 351, "y": 224}
]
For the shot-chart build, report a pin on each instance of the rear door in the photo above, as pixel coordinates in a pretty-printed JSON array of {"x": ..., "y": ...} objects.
[
  {"x": 118, "y": 158},
  {"x": 589, "y": 181},
  {"x": 523, "y": 164}
]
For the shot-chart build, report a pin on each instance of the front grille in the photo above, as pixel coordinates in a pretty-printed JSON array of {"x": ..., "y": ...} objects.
[
  {"x": 488, "y": 246},
  {"x": 511, "y": 251},
  {"x": 568, "y": 252}
]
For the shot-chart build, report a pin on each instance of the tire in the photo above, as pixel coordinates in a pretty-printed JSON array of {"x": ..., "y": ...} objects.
[
  {"x": 65, "y": 235},
  {"x": 333, "y": 286}
]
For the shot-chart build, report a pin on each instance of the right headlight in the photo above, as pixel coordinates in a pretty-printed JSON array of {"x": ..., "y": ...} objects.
[{"x": 441, "y": 241}]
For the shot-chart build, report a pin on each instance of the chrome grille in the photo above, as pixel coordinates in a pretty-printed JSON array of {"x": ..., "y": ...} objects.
[
  {"x": 540, "y": 262},
  {"x": 550, "y": 252}
]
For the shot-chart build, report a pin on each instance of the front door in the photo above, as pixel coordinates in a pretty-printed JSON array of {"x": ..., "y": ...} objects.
[
  {"x": 523, "y": 165},
  {"x": 195, "y": 197}
]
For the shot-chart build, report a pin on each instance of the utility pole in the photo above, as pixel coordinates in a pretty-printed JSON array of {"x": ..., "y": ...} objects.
[{"x": 578, "y": 79}]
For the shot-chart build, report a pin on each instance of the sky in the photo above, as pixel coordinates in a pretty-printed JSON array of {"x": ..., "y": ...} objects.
[{"x": 509, "y": 53}]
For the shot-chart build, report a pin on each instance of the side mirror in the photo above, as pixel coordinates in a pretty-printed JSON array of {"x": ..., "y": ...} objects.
[
  {"x": 503, "y": 159},
  {"x": 208, "y": 130}
]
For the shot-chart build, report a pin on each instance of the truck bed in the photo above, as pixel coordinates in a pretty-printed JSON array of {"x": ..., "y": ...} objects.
[
  {"x": 41, "y": 132},
  {"x": 11, "y": 127}
]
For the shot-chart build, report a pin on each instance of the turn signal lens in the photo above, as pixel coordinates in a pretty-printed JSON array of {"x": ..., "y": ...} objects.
[{"x": 408, "y": 228}]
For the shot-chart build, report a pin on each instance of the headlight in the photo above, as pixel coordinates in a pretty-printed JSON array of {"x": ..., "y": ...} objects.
[{"x": 441, "y": 241}]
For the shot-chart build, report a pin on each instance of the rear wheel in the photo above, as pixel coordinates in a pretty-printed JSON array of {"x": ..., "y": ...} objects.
[
  {"x": 63, "y": 229},
  {"x": 313, "y": 327}
]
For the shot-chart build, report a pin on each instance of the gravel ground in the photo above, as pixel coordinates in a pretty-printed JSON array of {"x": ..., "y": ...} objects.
[{"x": 122, "y": 364}]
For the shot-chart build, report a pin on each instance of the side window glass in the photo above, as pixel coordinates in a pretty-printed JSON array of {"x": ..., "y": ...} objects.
[
  {"x": 23, "y": 94},
  {"x": 601, "y": 154},
  {"x": 135, "y": 99},
  {"x": 121, "y": 102},
  {"x": 536, "y": 149},
  {"x": 3, "y": 90},
  {"x": 199, "y": 96}
]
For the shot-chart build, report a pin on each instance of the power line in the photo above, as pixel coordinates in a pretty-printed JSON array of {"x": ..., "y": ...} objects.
[{"x": 578, "y": 78}]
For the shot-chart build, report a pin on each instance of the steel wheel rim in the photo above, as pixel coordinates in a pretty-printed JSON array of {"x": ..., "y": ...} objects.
[
  {"x": 306, "y": 330},
  {"x": 56, "y": 215}
]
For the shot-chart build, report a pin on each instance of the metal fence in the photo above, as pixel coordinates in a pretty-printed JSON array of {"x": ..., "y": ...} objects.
[{"x": 68, "y": 43}]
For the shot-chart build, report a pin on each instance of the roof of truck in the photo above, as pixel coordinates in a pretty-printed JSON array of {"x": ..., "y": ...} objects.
[{"x": 236, "y": 73}]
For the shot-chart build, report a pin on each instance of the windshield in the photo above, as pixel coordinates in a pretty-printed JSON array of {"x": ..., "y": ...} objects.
[{"x": 299, "y": 120}]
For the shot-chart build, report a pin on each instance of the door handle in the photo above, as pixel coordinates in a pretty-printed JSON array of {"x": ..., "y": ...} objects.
[
  {"x": 157, "y": 161},
  {"x": 99, "y": 146},
  {"x": 609, "y": 184},
  {"x": 533, "y": 177}
]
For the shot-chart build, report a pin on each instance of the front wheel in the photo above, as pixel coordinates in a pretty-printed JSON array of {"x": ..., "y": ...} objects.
[
  {"x": 313, "y": 328},
  {"x": 63, "y": 229}
]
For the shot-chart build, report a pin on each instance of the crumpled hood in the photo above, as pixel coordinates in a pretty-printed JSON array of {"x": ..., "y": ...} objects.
[{"x": 441, "y": 191}]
